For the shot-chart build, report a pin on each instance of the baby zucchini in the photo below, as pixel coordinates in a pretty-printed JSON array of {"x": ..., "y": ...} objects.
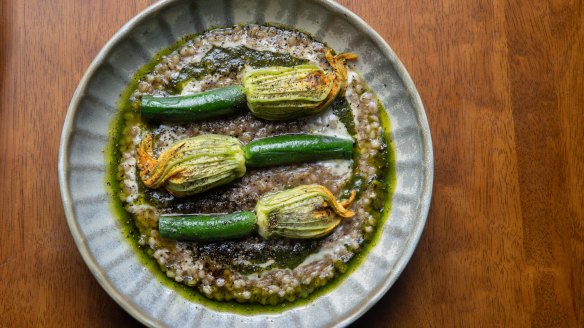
[
  {"x": 207, "y": 227},
  {"x": 197, "y": 164},
  {"x": 201, "y": 106},
  {"x": 295, "y": 148},
  {"x": 271, "y": 93},
  {"x": 304, "y": 212}
]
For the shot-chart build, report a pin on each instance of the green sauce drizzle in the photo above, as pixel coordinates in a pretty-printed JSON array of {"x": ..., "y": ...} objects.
[{"x": 233, "y": 59}]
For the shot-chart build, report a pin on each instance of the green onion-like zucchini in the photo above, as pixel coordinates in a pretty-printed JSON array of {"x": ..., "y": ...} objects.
[
  {"x": 294, "y": 148},
  {"x": 207, "y": 227},
  {"x": 272, "y": 93}
]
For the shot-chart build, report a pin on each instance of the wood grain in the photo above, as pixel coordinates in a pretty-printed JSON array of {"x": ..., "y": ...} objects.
[{"x": 503, "y": 86}]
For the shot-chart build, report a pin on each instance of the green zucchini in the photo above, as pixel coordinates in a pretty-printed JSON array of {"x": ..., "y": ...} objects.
[
  {"x": 295, "y": 148},
  {"x": 304, "y": 212},
  {"x": 271, "y": 93},
  {"x": 207, "y": 227},
  {"x": 200, "y": 106},
  {"x": 197, "y": 164}
]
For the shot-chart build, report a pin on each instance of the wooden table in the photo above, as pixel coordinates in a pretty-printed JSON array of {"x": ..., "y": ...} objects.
[{"x": 503, "y": 86}]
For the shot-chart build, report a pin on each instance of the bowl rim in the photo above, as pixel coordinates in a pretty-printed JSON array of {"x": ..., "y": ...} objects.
[{"x": 63, "y": 165}]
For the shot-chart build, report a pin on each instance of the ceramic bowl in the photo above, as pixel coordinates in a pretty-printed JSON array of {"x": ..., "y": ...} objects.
[{"x": 82, "y": 165}]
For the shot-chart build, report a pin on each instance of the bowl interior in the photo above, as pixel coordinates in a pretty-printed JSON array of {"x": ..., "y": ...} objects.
[{"x": 82, "y": 166}]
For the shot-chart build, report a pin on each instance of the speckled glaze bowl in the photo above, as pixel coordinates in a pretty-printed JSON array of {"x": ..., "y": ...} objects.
[{"x": 82, "y": 165}]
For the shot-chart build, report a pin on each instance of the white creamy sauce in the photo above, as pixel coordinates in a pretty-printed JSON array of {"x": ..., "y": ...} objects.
[
  {"x": 351, "y": 95},
  {"x": 317, "y": 256},
  {"x": 268, "y": 43},
  {"x": 328, "y": 251},
  {"x": 259, "y": 265},
  {"x": 327, "y": 123},
  {"x": 339, "y": 167},
  {"x": 201, "y": 52},
  {"x": 192, "y": 87},
  {"x": 256, "y": 276}
]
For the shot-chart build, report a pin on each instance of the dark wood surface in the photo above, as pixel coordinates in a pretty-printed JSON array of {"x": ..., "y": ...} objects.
[{"x": 503, "y": 86}]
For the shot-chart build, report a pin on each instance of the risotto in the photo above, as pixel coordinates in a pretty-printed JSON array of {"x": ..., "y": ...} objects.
[{"x": 253, "y": 269}]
